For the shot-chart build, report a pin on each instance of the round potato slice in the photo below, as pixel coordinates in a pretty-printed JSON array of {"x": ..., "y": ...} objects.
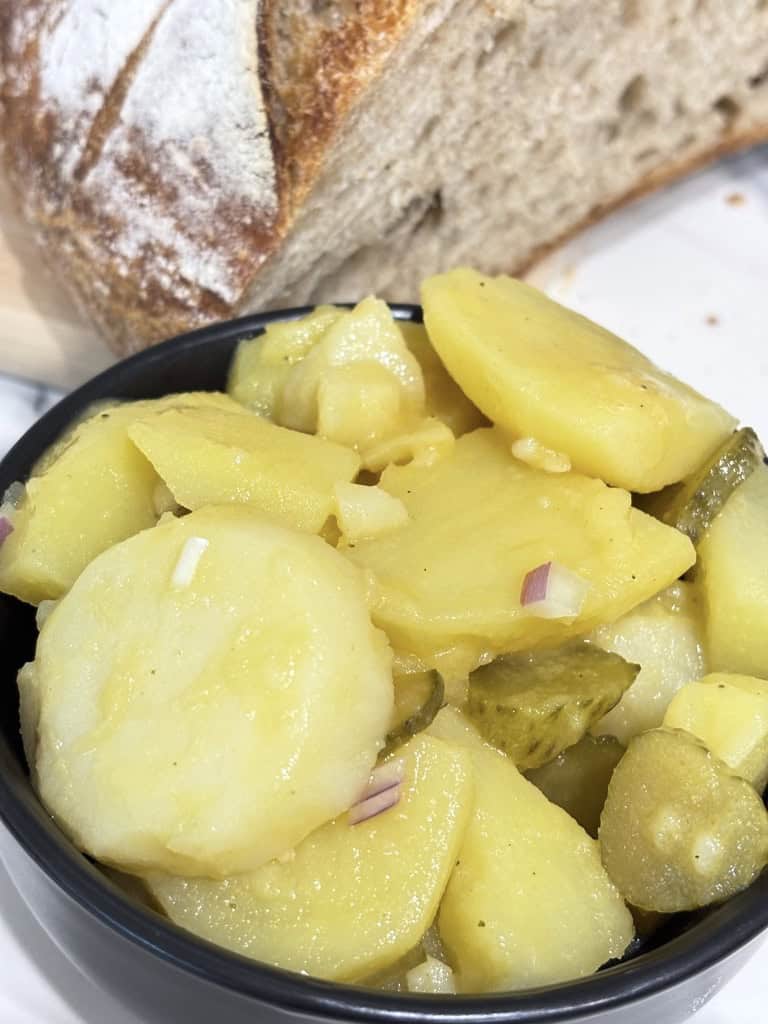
[
  {"x": 210, "y": 691},
  {"x": 353, "y": 899},
  {"x": 679, "y": 829}
]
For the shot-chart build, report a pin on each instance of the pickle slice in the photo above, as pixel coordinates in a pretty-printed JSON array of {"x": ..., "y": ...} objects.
[
  {"x": 534, "y": 705},
  {"x": 679, "y": 830},
  {"x": 418, "y": 698},
  {"x": 691, "y": 506},
  {"x": 577, "y": 780}
]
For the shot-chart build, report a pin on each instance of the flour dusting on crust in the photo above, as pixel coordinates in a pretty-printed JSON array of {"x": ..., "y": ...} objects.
[
  {"x": 192, "y": 141},
  {"x": 86, "y": 44},
  {"x": 151, "y": 149}
]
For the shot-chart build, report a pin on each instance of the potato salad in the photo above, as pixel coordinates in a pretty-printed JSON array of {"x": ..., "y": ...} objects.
[{"x": 429, "y": 657}]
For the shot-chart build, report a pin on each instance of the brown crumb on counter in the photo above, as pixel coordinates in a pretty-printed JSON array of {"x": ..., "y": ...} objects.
[
  {"x": 713, "y": 320},
  {"x": 736, "y": 199}
]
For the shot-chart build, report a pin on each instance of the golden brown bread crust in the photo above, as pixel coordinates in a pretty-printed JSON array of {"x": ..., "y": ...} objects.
[
  {"x": 133, "y": 296},
  {"x": 312, "y": 70},
  {"x": 311, "y": 86},
  {"x": 309, "y": 78}
]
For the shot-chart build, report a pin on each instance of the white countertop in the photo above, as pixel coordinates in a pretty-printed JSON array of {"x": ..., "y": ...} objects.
[{"x": 684, "y": 275}]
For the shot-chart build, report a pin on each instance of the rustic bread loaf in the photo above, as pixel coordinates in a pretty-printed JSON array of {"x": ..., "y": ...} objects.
[{"x": 185, "y": 160}]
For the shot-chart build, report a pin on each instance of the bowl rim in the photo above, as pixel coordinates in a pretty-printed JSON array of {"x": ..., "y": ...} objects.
[{"x": 724, "y": 931}]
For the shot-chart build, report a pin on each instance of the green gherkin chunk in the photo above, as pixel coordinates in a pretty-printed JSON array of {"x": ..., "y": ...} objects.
[
  {"x": 679, "y": 829},
  {"x": 534, "y": 705},
  {"x": 418, "y": 698},
  {"x": 577, "y": 780},
  {"x": 691, "y": 506}
]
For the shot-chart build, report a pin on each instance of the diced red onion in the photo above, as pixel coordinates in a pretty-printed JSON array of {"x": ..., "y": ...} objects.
[
  {"x": 384, "y": 777},
  {"x": 550, "y": 591},
  {"x": 6, "y": 528},
  {"x": 374, "y": 805},
  {"x": 535, "y": 584}
]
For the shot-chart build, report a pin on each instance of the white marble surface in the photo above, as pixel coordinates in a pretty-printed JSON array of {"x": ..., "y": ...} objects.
[
  {"x": 21, "y": 403},
  {"x": 684, "y": 275}
]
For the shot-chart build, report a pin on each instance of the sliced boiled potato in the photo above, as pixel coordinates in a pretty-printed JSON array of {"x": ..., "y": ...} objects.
[
  {"x": 479, "y": 522},
  {"x": 218, "y": 456},
  {"x": 262, "y": 364},
  {"x": 91, "y": 490},
  {"x": 366, "y": 333},
  {"x": 210, "y": 691},
  {"x": 354, "y": 899},
  {"x": 534, "y": 705},
  {"x": 665, "y": 637},
  {"x": 445, "y": 400},
  {"x": 433, "y": 977},
  {"x": 452, "y": 726},
  {"x": 395, "y": 977},
  {"x": 358, "y": 404},
  {"x": 538, "y": 369},
  {"x": 679, "y": 830},
  {"x": 422, "y": 441},
  {"x": 729, "y": 714},
  {"x": 577, "y": 780},
  {"x": 734, "y": 584},
  {"x": 529, "y": 902},
  {"x": 363, "y": 512},
  {"x": 29, "y": 712}
]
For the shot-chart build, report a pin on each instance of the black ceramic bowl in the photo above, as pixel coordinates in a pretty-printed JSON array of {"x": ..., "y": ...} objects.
[{"x": 166, "y": 974}]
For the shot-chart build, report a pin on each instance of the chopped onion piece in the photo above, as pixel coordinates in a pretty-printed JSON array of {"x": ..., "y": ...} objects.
[
  {"x": 189, "y": 559},
  {"x": 551, "y": 591},
  {"x": 6, "y": 528},
  {"x": 535, "y": 454},
  {"x": 389, "y": 774},
  {"x": 433, "y": 976},
  {"x": 44, "y": 610},
  {"x": 374, "y": 805},
  {"x": 14, "y": 495}
]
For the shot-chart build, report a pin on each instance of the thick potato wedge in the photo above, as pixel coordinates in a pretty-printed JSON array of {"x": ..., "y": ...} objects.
[
  {"x": 444, "y": 399},
  {"x": 209, "y": 692},
  {"x": 665, "y": 637},
  {"x": 479, "y": 522},
  {"x": 734, "y": 584},
  {"x": 540, "y": 370},
  {"x": 679, "y": 830},
  {"x": 353, "y": 900},
  {"x": 529, "y": 902},
  {"x": 367, "y": 333},
  {"x": 218, "y": 456},
  {"x": 532, "y": 706},
  {"x": 729, "y": 714},
  {"x": 91, "y": 490},
  {"x": 359, "y": 404}
]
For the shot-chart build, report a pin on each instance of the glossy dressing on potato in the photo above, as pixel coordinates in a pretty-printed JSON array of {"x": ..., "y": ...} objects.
[
  {"x": 251, "y": 718},
  {"x": 189, "y": 688}
]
